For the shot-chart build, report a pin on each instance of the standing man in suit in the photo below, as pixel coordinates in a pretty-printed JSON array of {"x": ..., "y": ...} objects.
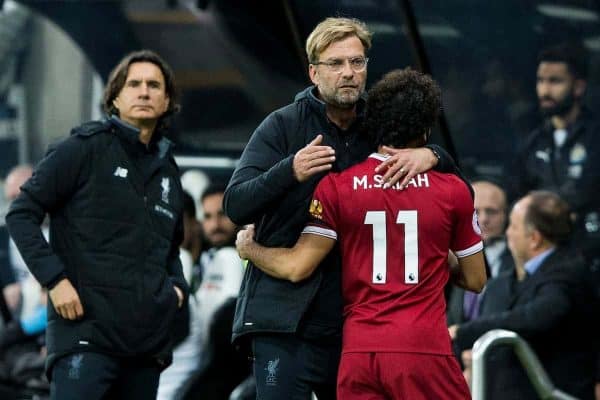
[{"x": 550, "y": 305}]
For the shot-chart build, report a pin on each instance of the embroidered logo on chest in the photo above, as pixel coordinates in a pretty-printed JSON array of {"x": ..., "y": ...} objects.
[{"x": 120, "y": 172}]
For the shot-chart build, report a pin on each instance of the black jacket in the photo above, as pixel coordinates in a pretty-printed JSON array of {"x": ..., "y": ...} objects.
[
  {"x": 573, "y": 171},
  {"x": 115, "y": 226},
  {"x": 553, "y": 310},
  {"x": 263, "y": 191}
]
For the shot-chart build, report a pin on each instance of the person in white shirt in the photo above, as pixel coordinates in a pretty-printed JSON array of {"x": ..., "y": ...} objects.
[{"x": 222, "y": 272}]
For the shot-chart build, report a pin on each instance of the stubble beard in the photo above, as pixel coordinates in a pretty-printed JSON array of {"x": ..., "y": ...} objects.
[
  {"x": 343, "y": 99},
  {"x": 561, "y": 108}
]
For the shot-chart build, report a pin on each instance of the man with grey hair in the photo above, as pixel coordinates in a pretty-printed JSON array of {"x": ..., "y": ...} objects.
[{"x": 295, "y": 328}]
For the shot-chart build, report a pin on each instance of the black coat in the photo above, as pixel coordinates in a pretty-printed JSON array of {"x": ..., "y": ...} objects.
[
  {"x": 115, "y": 226},
  {"x": 552, "y": 310},
  {"x": 455, "y": 312}
]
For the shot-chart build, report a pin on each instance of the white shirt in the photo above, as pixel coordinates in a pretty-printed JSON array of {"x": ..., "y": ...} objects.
[{"x": 222, "y": 277}]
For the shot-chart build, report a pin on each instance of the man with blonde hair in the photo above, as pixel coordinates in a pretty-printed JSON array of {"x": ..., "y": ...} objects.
[{"x": 295, "y": 328}]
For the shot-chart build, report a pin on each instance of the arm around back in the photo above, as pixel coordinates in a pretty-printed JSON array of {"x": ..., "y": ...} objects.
[
  {"x": 294, "y": 264},
  {"x": 470, "y": 273}
]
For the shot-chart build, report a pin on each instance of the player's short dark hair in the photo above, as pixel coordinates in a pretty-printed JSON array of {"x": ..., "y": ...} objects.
[
  {"x": 402, "y": 106},
  {"x": 549, "y": 214},
  {"x": 214, "y": 188},
  {"x": 572, "y": 54}
]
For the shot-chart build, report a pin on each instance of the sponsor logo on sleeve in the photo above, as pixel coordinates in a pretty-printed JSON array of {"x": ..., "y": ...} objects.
[{"x": 316, "y": 209}]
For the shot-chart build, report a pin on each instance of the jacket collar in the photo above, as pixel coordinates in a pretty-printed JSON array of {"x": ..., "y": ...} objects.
[
  {"x": 574, "y": 129},
  {"x": 131, "y": 135}
]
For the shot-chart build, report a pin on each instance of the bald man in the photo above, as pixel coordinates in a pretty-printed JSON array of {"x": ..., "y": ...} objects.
[{"x": 491, "y": 209}]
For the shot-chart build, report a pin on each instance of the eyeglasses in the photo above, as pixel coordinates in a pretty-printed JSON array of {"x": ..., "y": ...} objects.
[{"x": 357, "y": 64}]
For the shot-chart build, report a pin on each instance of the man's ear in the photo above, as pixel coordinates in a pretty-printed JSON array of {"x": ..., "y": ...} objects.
[
  {"x": 537, "y": 240},
  {"x": 314, "y": 74}
]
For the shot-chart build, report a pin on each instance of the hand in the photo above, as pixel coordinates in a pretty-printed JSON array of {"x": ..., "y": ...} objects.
[
  {"x": 452, "y": 331},
  {"x": 597, "y": 391},
  {"x": 312, "y": 159},
  {"x": 180, "y": 296},
  {"x": 452, "y": 260},
  {"x": 245, "y": 239},
  {"x": 66, "y": 300},
  {"x": 468, "y": 374},
  {"x": 405, "y": 163},
  {"x": 12, "y": 295},
  {"x": 467, "y": 358}
]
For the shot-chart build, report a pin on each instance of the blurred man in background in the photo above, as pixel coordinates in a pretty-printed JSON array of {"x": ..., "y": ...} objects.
[
  {"x": 491, "y": 208},
  {"x": 221, "y": 275},
  {"x": 550, "y": 303},
  {"x": 563, "y": 153}
]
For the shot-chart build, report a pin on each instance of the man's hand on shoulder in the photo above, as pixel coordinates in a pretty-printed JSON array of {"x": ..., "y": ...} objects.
[
  {"x": 66, "y": 300},
  {"x": 312, "y": 159},
  {"x": 404, "y": 164}
]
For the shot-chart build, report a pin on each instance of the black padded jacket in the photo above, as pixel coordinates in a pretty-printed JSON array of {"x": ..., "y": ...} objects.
[{"x": 115, "y": 210}]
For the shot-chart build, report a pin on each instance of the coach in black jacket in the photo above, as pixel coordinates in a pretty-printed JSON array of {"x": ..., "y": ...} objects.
[
  {"x": 112, "y": 268},
  {"x": 551, "y": 307},
  {"x": 286, "y": 157}
]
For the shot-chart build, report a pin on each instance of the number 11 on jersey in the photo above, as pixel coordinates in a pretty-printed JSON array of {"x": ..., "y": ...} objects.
[{"x": 411, "y": 247}]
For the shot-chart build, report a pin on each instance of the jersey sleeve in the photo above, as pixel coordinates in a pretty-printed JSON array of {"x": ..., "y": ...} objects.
[
  {"x": 323, "y": 209},
  {"x": 467, "y": 234}
]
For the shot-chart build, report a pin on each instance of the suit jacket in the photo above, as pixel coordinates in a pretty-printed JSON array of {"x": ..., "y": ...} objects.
[
  {"x": 455, "y": 312},
  {"x": 552, "y": 310}
]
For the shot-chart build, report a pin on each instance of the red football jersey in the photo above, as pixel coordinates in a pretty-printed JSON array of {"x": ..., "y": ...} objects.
[{"x": 394, "y": 246}]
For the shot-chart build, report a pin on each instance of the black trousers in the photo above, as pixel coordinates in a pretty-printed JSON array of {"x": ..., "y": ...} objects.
[
  {"x": 291, "y": 368},
  {"x": 94, "y": 376}
]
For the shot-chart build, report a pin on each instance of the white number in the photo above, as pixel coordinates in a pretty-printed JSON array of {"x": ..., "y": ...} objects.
[{"x": 411, "y": 248}]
